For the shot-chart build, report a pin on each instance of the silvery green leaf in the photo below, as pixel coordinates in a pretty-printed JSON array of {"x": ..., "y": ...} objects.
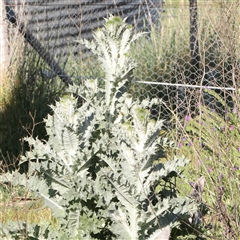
[{"x": 163, "y": 234}]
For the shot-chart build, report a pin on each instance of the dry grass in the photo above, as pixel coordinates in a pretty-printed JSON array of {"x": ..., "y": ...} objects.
[{"x": 27, "y": 210}]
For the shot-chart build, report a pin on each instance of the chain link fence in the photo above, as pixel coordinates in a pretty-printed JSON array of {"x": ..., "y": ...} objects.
[
  {"x": 191, "y": 46},
  {"x": 193, "y": 56},
  {"x": 52, "y": 28}
]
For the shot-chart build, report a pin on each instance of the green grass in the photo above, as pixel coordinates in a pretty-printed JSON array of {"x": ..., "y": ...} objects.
[{"x": 212, "y": 143}]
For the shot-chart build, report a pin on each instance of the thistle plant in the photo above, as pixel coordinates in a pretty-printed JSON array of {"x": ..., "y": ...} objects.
[{"x": 102, "y": 160}]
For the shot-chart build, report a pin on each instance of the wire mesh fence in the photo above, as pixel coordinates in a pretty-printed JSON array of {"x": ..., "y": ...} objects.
[
  {"x": 195, "y": 50},
  {"x": 189, "y": 46},
  {"x": 56, "y": 25},
  {"x": 186, "y": 45}
]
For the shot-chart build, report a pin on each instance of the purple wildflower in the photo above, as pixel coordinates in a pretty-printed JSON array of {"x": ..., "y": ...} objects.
[
  {"x": 210, "y": 169},
  {"x": 231, "y": 127},
  {"x": 235, "y": 168},
  {"x": 239, "y": 149},
  {"x": 187, "y": 118},
  {"x": 191, "y": 184},
  {"x": 220, "y": 177},
  {"x": 180, "y": 145}
]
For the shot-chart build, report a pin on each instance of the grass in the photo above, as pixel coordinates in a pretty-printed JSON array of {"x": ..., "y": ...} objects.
[
  {"x": 25, "y": 97},
  {"x": 31, "y": 212},
  {"x": 212, "y": 143},
  {"x": 24, "y": 105},
  {"x": 19, "y": 205}
]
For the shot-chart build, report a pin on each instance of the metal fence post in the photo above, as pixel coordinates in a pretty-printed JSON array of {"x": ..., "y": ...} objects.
[
  {"x": 194, "y": 45},
  {"x": 3, "y": 41}
]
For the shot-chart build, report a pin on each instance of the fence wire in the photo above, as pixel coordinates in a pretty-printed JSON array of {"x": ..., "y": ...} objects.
[{"x": 191, "y": 46}]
